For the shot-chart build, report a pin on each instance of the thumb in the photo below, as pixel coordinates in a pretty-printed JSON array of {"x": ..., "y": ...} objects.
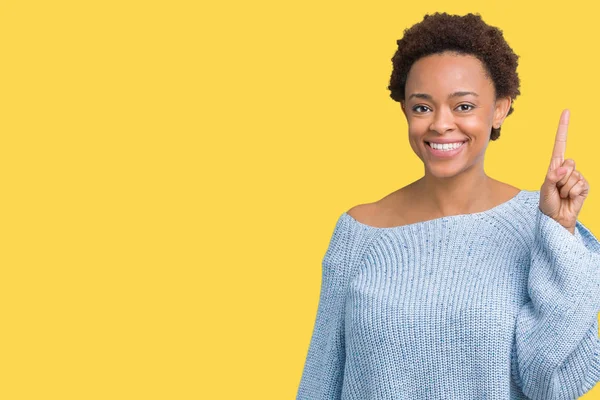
[{"x": 556, "y": 175}]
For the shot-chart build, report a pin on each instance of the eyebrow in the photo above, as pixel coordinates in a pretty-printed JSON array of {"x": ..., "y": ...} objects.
[{"x": 428, "y": 97}]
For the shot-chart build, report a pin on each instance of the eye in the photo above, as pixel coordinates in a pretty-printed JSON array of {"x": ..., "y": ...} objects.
[
  {"x": 466, "y": 105},
  {"x": 415, "y": 108}
]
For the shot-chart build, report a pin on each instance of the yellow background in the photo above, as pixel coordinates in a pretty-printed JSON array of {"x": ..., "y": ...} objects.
[{"x": 171, "y": 173}]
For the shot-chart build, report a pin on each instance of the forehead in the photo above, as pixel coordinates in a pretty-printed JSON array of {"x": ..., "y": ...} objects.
[{"x": 441, "y": 74}]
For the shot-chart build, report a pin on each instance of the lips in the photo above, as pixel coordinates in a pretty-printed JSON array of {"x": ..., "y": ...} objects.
[
  {"x": 446, "y": 141},
  {"x": 445, "y": 154}
]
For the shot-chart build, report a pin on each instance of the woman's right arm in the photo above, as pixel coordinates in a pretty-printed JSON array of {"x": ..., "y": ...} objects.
[{"x": 323, "y": 373}]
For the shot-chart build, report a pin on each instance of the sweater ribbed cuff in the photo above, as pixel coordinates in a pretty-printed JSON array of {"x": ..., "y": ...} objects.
[{"x": 575, "y": 260}]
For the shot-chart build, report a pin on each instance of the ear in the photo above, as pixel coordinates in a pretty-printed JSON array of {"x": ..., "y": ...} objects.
[
  {"x": 501, "y": 109},
  {"x": 402, "y": 105}
]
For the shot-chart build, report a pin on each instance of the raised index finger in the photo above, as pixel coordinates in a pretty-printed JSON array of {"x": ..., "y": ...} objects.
[{"x": 560, "y": 142}]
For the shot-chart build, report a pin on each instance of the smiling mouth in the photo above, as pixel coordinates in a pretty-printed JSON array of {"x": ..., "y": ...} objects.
[{"x": 461, "y": 143}]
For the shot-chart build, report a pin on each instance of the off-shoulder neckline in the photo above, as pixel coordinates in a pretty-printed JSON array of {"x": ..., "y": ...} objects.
[{"x": 496, "y": 208}]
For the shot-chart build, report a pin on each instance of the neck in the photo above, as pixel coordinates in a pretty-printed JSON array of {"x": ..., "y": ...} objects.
[{"x": 465, "y": 193}]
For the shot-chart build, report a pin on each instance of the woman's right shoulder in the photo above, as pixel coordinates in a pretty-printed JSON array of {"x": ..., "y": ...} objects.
[
  {"x": 383, "y": 213},
  {"x": 352, "y": 235},
  {"x": 363, "y": 213}
]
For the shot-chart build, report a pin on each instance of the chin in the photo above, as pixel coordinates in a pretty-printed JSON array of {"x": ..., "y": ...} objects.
[{"x": 444, "y": 172}]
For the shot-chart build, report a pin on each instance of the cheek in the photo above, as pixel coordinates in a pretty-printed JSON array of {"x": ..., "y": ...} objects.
[
  {"x": 473, "y": 124},
  {"x": 418, "y": 126},
  {"x": 477, "y": 122},
  {"x": 415, "y": 138}
]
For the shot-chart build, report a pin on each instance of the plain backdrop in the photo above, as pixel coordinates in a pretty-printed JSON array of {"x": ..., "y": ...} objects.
[{"x": 171, "y": 173}]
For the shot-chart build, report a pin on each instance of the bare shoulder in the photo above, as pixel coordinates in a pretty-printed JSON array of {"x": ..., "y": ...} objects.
[
  {"x": 504, "y": 191},
  {"x": 403, "y": 207},
  {"x": 363, "y": 213},
  {"x": 383, "y": 213}
]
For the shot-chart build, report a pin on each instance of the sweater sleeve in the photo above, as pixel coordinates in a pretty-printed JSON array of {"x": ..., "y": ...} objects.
[
  {"x": 556, "y": 352},
  {"x": 323, "y": 372}
]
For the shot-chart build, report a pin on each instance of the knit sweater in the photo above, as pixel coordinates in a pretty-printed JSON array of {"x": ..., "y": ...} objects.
[{"x": 499, "y": 304}]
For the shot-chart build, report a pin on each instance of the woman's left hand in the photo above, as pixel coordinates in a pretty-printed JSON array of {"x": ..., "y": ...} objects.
[{"x": 564, "y": 189}]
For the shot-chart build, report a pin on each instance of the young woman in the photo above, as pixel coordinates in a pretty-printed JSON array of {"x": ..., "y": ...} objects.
[{"x": 459, "y": 286}]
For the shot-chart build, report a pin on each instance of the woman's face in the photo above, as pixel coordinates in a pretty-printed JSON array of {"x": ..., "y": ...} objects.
[{"x": 449, "y": 98}]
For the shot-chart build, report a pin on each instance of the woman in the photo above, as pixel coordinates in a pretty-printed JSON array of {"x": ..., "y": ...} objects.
[{"x": 459, "y": 286}]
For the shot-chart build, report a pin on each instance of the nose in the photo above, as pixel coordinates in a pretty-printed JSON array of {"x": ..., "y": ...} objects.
[{"x": 443, "y": 120}]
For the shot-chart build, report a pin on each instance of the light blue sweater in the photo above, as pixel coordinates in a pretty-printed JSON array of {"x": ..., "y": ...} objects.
[{"x": 499, "y": 304}]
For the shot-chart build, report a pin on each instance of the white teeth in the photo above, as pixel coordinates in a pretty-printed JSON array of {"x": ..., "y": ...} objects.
[{"x": 446, "y": 146}]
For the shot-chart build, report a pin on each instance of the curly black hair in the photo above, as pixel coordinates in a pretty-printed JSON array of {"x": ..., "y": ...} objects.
[{"x": 467, "y": 34}]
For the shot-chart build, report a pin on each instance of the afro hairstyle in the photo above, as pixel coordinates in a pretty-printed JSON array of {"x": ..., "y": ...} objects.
[{"x": 468, "y": 35}]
